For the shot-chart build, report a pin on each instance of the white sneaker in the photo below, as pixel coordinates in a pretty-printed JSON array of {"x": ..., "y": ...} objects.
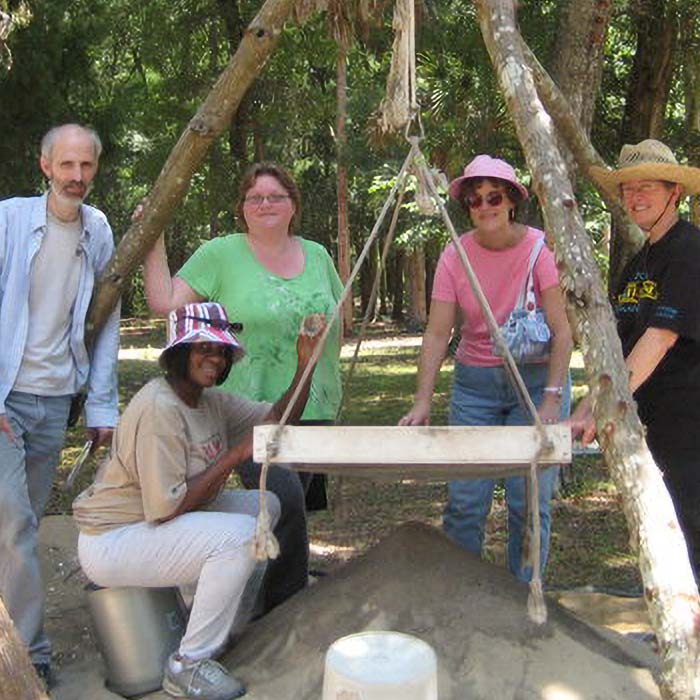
[{"x": 201, "y": 680}]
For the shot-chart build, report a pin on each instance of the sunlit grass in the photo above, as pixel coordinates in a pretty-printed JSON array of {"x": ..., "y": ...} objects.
[{"x": 589, "y": 537}]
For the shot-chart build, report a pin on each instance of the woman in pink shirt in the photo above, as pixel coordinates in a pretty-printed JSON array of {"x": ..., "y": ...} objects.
[{"x": 499, "y": 250}]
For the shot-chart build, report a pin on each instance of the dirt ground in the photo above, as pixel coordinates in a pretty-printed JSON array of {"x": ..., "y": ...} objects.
[{"x": 410, "y": 582}]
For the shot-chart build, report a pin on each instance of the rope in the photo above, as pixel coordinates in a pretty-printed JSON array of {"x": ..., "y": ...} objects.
[
  {"x": 265, "y": 545},
  {"x": 339, "y": 506},
  {"x": 537, "y": 610},
  {"x": 536, "y": 607},
  {"x": 491, "y": 322},
  {"x": 375, "y": 290},
  {"x": 400, "y": 105}
]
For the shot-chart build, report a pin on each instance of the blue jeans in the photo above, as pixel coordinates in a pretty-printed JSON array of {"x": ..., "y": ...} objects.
[
  {"x": 27, "y": 469},
  {"x": 485, "y": 396}
]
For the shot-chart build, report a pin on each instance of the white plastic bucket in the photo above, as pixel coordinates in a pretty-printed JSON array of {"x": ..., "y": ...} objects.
[
  {"x": 380, "y": 666},
  {"x": 136, "y": 629}
]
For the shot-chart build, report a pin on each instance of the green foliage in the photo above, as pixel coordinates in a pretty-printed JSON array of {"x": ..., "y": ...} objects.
[
  {"x": 138, "y": 71},
  {"x": 619, "y": 52},
  {"x": 414, "y": 228}
]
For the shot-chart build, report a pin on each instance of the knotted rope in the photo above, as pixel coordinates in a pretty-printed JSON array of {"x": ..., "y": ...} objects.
[{"x": 400, "y": 104}]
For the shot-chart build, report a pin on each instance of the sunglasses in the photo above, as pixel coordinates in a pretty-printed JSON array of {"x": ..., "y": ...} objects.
[
  {"x": 217, "y": 349},
  {"x": 474, "y": 200},
  {"x": 218, "y": 323}
]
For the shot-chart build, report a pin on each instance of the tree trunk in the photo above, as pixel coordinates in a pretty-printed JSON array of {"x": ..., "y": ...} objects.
[
  {"x": 670, "y": 590},
  {"x": 367, "y": 274},
  {"x": 380, "y": 276},
  {"x": 344, "y": 267},
  {"x": 578, "y": 61},
  {"x": 18, "y": 680},
  {"x": 215, "y": 171},
  {"x": 433, "y": 250},
  {"x": 418, "y": 312},
  {"x": 383, "y": 287},
  {"x": 656, "y": 24},
  {"x": 237, "y": 136},
  {"x": 396, "y": 284},
  {"x": 628, "y": 237},
  {"x": 690, "y": 50},
  {"x": 211, "y": 119}
]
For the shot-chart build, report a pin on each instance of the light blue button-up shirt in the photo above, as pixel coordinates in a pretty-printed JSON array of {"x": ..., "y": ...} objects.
[{"x": 22, "y": 228}]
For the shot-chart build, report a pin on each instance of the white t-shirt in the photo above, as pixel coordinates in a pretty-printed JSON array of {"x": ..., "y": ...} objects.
[{"x": 47, "y": 367}]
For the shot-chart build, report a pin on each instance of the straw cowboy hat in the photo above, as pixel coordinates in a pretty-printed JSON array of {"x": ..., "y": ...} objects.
[{"x": 647, "y": 160}]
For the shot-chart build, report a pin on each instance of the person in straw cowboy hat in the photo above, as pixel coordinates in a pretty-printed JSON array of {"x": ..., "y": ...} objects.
[{"x": 657, "y": 307}]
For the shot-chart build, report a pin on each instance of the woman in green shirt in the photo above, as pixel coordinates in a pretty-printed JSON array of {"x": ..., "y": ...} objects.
[{"x": 268, "y": 280}]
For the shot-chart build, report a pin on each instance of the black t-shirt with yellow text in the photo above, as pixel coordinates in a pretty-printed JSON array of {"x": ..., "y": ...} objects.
[{"x": 661, "y": 289}]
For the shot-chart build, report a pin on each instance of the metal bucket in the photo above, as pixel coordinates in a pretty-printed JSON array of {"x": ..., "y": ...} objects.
[
  {"x": 137, "y": 629},
  {"x": 380, "y": 666}
]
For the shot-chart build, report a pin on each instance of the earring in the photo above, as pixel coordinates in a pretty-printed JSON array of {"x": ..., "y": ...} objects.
[{"x": 511, "y": 215}]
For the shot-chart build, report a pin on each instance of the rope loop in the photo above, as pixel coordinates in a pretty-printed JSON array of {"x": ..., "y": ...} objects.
[{"x": 414, "y": 122}]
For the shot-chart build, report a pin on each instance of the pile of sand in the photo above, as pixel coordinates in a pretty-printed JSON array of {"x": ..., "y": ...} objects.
[
  {"x": 472, "y": 613},
  {"x": 416, "y": 581}
]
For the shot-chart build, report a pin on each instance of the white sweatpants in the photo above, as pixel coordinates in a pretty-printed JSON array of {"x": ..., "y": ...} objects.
[{"x": 210, "y": 550}]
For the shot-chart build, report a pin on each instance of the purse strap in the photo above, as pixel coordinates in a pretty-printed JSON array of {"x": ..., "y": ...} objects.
[{"x": 527, "y": 293}]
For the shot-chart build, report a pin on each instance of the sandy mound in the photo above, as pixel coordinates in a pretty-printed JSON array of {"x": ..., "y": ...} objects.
[
  {"x": 415, "y": 581},
  {"x": 471, "y": 612}
]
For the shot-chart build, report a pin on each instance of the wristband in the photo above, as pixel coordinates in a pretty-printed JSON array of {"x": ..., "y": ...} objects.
[{"x": 556, "y": 390}]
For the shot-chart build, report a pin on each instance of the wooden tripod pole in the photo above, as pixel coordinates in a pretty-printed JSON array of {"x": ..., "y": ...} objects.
[{"x": 18, "y": 680}]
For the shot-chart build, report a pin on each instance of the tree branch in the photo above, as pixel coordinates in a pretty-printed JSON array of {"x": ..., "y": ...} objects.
[
  {"x": 669, "y": 584},
  {"x": 172, "y": 184},
  {"x": 569, "y": 128},
  {"x": 17, "y": 676}
]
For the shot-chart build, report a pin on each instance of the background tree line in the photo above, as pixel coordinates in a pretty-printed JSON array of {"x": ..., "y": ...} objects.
[{"x": 138, "y": 71}]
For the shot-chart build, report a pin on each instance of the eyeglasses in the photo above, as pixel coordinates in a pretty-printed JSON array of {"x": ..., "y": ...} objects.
[
  {"x": 218, "y": 323},
  {"x": 646, "y": 188},
  {"x": 256, "y": 200},
  {"x": 474, "y": 200}
]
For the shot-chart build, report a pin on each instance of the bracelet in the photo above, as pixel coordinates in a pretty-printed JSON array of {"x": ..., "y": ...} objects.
[{"x": 557, "y": 390}]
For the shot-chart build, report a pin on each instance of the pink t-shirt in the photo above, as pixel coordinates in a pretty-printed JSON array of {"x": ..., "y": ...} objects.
[{"x": 501, "y": 274}]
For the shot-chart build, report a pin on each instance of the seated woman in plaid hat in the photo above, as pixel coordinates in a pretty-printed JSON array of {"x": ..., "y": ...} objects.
[{"x": 158, "y": 515}]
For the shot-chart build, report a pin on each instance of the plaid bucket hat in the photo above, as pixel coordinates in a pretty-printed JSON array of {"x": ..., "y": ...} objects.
[{"x": 205, "y": 322}]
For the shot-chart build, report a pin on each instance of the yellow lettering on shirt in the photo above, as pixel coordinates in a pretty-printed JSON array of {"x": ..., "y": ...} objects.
[{"x": 638, "y": 290}]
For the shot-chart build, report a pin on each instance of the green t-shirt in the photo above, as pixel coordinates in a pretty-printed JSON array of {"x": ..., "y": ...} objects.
[{"x": 271, "y": 309}]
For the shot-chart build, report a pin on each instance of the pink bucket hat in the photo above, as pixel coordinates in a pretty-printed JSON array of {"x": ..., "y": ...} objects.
[
  {"x": 485, "y": 166},
  {"x": 205, "y": 322}
]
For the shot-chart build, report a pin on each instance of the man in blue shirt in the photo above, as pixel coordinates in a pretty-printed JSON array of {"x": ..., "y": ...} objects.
[{"x": 52, "y": 249}]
